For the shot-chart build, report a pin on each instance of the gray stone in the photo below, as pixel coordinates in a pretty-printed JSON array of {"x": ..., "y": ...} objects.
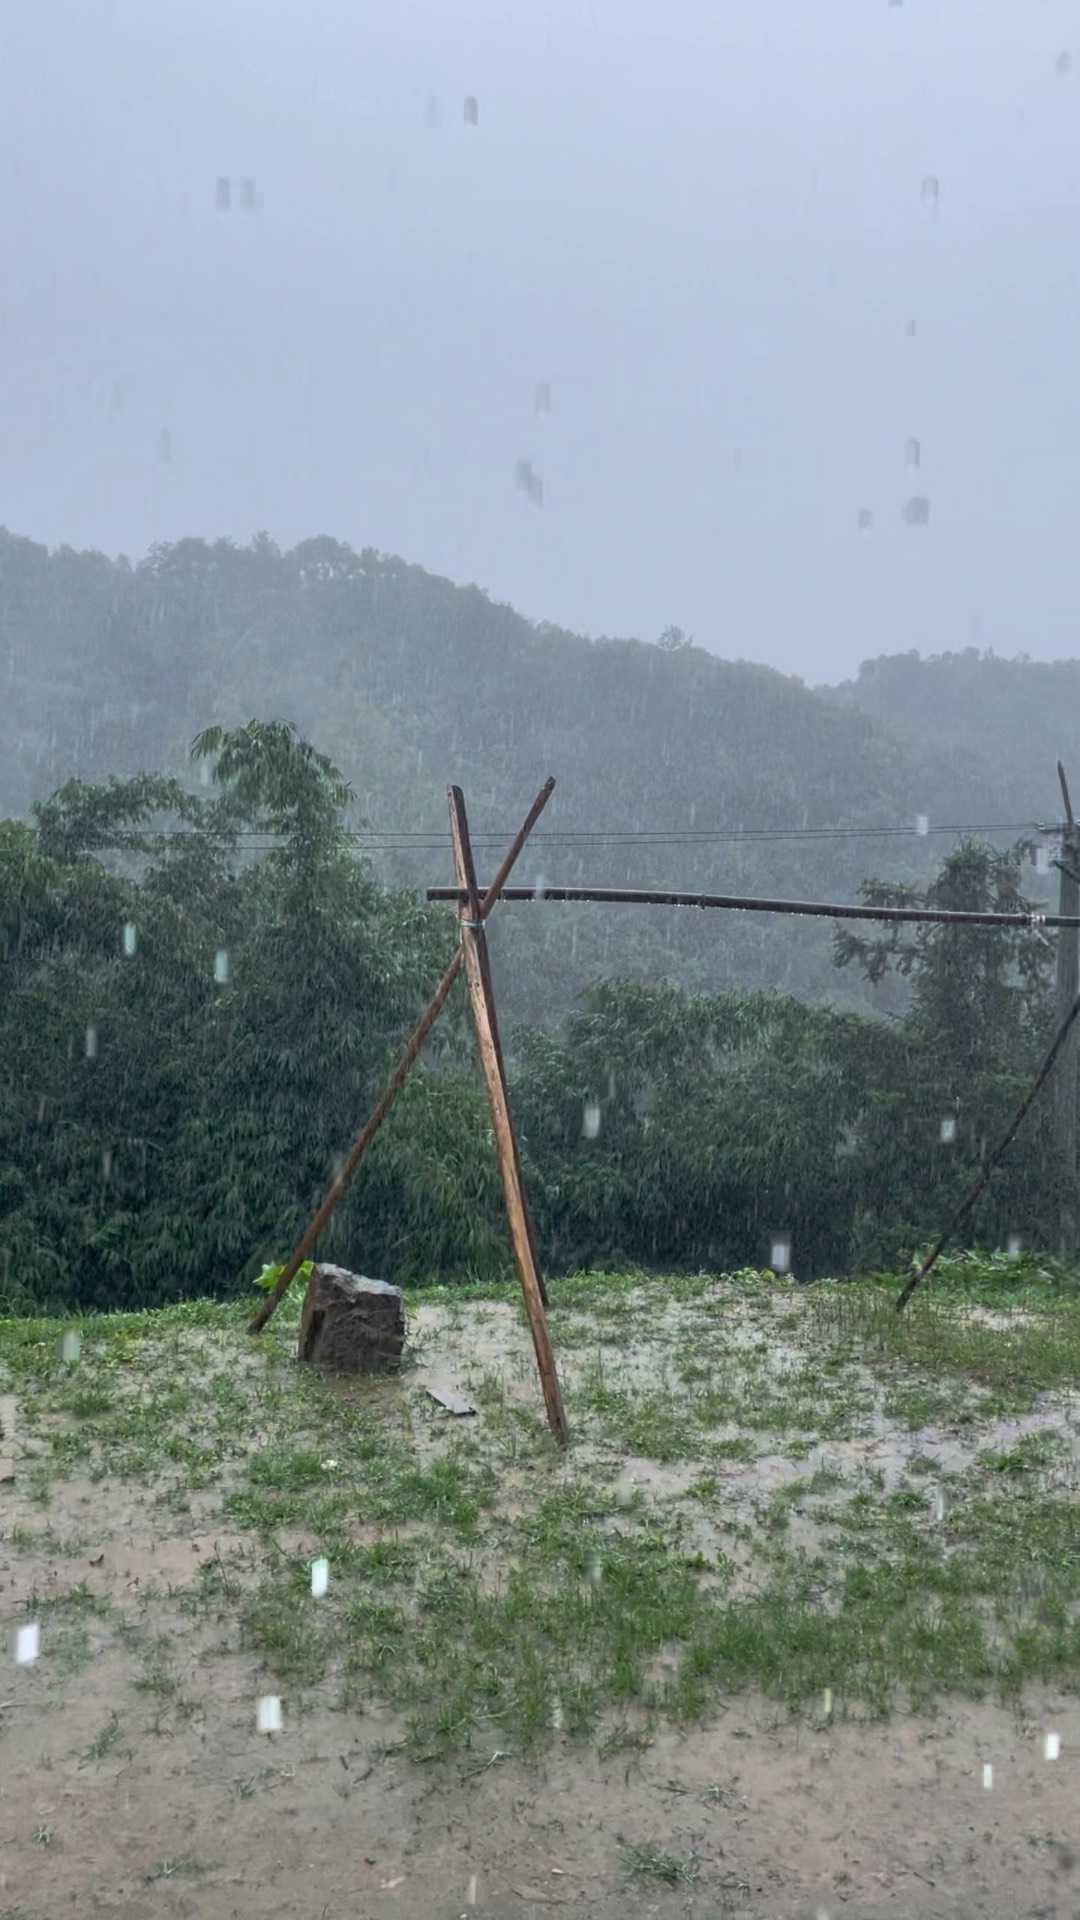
[{"x": 349, "y": 1324}]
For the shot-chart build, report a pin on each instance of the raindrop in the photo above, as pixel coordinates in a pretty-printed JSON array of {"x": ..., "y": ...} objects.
[
  {"x": 912, "y": 455},
  {"x": 70, "y": 1347},
  {"x": 930, "y": 190},
  {"x": 536, "y": 491},
  {"x": 937, "y": 1505},
  {"x": 917, "y": 512},
  {"x": 624, "y": 1492},
  {"x": 106, "y": 1163},
  {"x": 1053, "y": 1745},
  {"x": 248, "y": 196},
  {"x": 594, "y": 1567},
  {"x": 948, "y": 1131},
  {"x": 1042, "y": 859},
  {"x": 866, "y": 520},
  {"x": 988, "y": 1776},
  {"x": 130, "y": 937},
  {"x": 320, "y": 1578},
  {"x": 538, "y": 888},
  {"x": 1063, "y": 62},
  {"x": 204, "y": 772},
  {"x": 164, "y": 446},
  {"x": 91, "y": 1043},
  {"x": 431, "y": 112},
  {"x": 523, "y": 474},
  {"x": 826, "y": 1703},
  {"x": 224, "y": 195},
  {"x": 922, "y": 823},
  {"x": 780, "y": 1259},
  {"x": 1014, "y": 1246},
  {"x": 472, "y": 111},
  {"x": 270, "y": 1713},
  {"x": 221, "y": 966},
  {"x": 590, "y": 1119},
  {"x": 912, "y": 329},
  {"x": 27, "y": 1644},
  {"x": 543, "y": 397},
  {"x": 556, "y": 1713}
]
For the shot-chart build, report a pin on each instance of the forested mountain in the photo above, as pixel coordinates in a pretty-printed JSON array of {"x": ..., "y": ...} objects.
[
  {"x": 408, "y": 681},
  {"x": 1012, "y": 715}
]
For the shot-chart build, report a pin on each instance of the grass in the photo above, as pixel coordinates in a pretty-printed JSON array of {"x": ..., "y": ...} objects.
[
  {"x": 652, "y": 1863},
  {"x": 181, "y": 1865},
  {"x": 920, "y": 1537},
  {"x": 104, "y": 1740}
]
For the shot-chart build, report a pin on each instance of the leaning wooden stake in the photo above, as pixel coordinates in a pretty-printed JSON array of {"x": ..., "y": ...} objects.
[
  {"x": 1067, "y": 986},
  {"x": 992, "y": 1159},
  {"x": 478, "y": 976},
  {"x": 396, "y": 1081}
]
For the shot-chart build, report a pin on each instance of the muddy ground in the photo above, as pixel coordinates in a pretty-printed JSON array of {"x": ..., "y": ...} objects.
[{"x": 113, "y": 1801}]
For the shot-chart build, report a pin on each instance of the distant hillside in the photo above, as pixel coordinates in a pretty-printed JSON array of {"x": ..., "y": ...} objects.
[
  {"x": 409, "y": 681},
  {"x": 1012, "y": 717}
]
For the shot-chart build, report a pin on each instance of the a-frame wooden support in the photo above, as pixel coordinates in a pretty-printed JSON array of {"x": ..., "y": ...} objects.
[
  {"x": 478, "y": 977},
  {"x": 473, "y": 955}
]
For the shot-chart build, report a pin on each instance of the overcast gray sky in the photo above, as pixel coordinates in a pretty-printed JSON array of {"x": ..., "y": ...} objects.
[{"x": 702, "y": 222}]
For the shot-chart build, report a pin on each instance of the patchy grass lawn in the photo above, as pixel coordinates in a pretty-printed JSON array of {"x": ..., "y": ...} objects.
[{"x": 768, "y": 1488}]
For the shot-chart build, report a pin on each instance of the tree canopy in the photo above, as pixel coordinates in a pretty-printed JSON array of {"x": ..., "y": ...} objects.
[{"x": 203, "y": 983}]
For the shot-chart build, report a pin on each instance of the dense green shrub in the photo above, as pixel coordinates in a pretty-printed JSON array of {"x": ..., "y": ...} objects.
[{"x": 191, "y": 1032}]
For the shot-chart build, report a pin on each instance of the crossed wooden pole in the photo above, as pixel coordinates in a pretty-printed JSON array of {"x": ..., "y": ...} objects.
[{"x": 473, "y": 910}]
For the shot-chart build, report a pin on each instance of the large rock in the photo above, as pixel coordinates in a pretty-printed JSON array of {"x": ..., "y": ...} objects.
[{"x": 351, "y": 1325}]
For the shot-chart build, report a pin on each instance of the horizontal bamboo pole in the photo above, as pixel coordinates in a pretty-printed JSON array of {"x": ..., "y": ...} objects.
[{"x": 648, "y": 897}]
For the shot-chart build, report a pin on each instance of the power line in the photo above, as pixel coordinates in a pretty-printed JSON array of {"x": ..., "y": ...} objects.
[{"x": 398, "y": 840}]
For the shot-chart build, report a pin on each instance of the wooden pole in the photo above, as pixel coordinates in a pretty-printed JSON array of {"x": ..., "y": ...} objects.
[
  {"x": 396, "y": 1081},
  {"x": 1067, "y": 987},
  {"x": 1060, "y": 1039},
  {"x": 649, "y": 897},
  {"x": 478, "y": 976},
  {"x": 484, "y": 961}
]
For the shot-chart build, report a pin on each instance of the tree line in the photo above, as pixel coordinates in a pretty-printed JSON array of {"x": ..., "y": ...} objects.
[{"x": 202, "y": 986}]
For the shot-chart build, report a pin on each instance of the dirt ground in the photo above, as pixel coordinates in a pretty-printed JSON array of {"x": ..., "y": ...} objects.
[
  {"x": 112, "y": 1802},
  {"x": 312, "y": 1824}
]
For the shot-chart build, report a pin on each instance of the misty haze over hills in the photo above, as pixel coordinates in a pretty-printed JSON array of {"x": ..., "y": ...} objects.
[
  {"x": 674, "y": 767},
  {"x": 739, "y": 283},
  {"x": 758, "y": 319}
]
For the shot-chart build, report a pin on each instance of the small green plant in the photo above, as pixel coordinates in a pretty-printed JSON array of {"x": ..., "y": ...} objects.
[
  {"x": 105, "y": 1740},
  {"x": 267, "y": 1280},
  {"x": 649, "y": 1862},
  {"x": 184, "y": 1863}
]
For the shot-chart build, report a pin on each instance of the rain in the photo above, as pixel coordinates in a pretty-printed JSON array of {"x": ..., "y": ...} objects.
[{"x": 539, "y": 959}]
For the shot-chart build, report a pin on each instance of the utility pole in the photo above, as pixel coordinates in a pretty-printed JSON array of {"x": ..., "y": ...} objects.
[{"x": 1065, "y": 1084}]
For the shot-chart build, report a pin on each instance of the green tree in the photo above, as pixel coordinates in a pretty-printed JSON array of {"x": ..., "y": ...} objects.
[
  {"x": 191, "y": 1040},
  {"x": 979, "y": 1018}
]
